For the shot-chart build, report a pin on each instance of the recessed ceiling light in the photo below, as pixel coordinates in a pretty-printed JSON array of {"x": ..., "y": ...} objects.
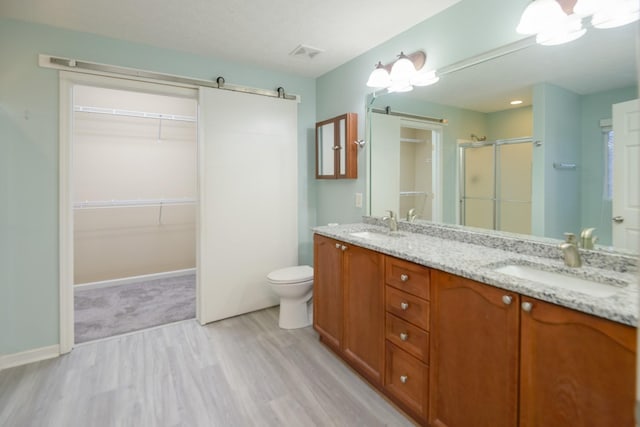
[{"x": 516, "y": 102}]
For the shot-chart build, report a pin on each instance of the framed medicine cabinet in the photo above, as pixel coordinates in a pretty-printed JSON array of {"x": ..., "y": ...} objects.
[{"x": 336, "y": 147}]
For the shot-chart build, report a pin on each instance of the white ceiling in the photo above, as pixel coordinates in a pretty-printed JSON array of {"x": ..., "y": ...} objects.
[{"x": 254, "y": 32}]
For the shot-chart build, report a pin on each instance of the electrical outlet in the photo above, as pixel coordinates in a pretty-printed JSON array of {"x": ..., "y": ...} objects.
[{"x": 358, "y": 200}]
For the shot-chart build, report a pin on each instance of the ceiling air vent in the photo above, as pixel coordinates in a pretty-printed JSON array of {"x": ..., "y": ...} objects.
[{"x": 306, "y": 52}]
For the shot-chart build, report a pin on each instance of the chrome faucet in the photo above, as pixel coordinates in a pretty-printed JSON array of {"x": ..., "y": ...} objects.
[
  {"x": 411, "y": 215},
  {"x": 587, "y": 239},
  {"x": 391, "y": 220},
  {"x": 570, "y": 251}
]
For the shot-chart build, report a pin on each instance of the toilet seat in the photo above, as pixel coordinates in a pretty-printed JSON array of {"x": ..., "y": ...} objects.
[{"x": 297, "y": 274}]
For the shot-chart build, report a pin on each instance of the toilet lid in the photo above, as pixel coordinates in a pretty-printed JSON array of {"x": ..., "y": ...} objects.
[{"x": 299, "y": 273}]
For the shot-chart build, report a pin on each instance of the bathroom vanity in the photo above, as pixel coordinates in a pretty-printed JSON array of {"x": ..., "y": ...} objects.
[{"x": 430, "y": 317}]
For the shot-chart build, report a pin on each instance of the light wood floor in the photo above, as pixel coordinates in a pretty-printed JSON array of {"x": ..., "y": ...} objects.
[{"x": 243, "y": 371}]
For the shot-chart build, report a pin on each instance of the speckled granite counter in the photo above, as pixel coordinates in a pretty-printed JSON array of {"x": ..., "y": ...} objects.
[{"x": 442, "y": 250}]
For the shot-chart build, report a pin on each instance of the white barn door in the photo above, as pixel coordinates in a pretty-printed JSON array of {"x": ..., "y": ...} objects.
[
  {"x": 626, "y": 178},
  {"x": 248, "y": 199}
]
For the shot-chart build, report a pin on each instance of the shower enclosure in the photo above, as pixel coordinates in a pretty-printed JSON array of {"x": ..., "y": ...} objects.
[{"x": 495, "y": 184}]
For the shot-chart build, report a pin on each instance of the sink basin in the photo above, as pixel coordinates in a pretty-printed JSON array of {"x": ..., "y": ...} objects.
[
  {"x": 560, "y": 280},
  {"x": 375, "y": 235}
]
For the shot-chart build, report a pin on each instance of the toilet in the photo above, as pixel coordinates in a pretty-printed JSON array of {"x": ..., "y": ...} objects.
[{"x": 294, "y": 286}]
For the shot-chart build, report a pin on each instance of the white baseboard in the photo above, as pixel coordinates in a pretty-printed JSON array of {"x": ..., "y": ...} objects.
[
  {"x": 132, "y": 279},
  {"x": 29, "y": 356}
]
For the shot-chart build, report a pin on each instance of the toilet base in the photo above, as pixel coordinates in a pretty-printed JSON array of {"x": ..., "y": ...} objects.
[{"x": 294, "y": 314}]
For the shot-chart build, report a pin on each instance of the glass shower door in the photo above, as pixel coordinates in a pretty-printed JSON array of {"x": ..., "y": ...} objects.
[
  {"x": 478, "y": 189},
  {"x": 514, "y": 188}
]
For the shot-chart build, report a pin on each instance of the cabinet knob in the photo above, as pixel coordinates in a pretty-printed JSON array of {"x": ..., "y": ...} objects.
[
  {"x": 403, "y": 379},
  {"x": 404, "y": 277},
  {"x": 337, "y": 245},
  {"x": 404, "y": 305},
  {"x": 404, "y": 336},
  {"x": 343, "y": 247},
  {"x": 336, "y": 147},
  {"x": 507, "y": 299},
  {"x": 527, "y": 306}
]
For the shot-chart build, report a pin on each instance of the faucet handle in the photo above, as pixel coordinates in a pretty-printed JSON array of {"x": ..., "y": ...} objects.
[
  {"x": 391, "y": 214},
  {"x": 570, "y": 238}
]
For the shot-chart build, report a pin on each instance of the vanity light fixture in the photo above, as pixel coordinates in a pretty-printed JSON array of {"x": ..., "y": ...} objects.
[
  {"x": 516, "y": 102},
  {"x": 552, "y": 24},
  {"x": 403, "y": 74}
]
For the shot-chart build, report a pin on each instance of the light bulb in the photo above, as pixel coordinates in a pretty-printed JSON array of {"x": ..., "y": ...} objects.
[
  {"x": 540, "y": 14},
  {"x": 424, "y": 78},
  {"x": 566, "y": 31},
  {"x": 402, "y": 70},
  {"x": 379, "y": 78}
]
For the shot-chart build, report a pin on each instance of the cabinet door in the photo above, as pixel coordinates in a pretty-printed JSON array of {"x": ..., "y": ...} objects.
[
  {"x": 327, "y": 290},
  {"x": 336, "y": 151},
  {"x": 474, "y": 354},
  {"x": 363, "y": 340},
  {"x": 576, "y": 369}
]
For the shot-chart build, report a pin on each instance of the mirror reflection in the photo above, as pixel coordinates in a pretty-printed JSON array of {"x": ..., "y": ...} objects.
[{"x": 542, "y": 167}]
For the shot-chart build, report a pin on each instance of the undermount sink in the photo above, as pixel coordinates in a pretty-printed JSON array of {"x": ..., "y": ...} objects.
[
  {"x": 375, "y": 235},
  {"x": 560, "y": 280}
]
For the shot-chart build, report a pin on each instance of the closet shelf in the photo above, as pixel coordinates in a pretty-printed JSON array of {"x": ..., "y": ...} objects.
[
  {"x": 131, "y": 113},
  {"x": 415, "y": 140},
  {"x": 96, "y": 204},
  {"x": 414, "y": 193}
]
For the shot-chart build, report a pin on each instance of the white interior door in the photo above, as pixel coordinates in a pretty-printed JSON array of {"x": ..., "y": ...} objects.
[
  {"x": 626, "y": 178},
  {"x": 248, "y": 199}
]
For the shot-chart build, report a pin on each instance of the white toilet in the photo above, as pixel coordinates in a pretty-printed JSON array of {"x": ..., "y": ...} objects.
[{"x": 294, "y": 286}]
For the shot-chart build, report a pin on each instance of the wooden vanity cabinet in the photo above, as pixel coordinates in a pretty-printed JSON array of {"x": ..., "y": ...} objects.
[
  {"x": 348, "y": 304},
  {"x": 501, "y": 359},
  {"x": 453, "y": 352},
  {"x": 363, "y": 313},
  {"x": 407, "y": 336},
  {"x": 327, "y": 290},
  {"x": 474, "y": 354},
  {"x": 575, "y": 369}
]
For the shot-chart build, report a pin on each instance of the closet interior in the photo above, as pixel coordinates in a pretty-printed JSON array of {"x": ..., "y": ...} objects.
[{"x": 135, "y": 197}]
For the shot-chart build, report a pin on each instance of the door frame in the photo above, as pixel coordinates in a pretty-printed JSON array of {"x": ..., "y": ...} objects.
[{"x": 67, "y": 81}]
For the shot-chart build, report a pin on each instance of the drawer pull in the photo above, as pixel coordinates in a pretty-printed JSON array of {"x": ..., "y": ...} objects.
[
  {"x": 507, "y": 299},
  {"x": 527, "y": 306},
  {"x": 343, "y": 247},
  {"x": 404, "y": 305},
  {"x": 404, "y": 336},
  {"x": 404, "y": 277},
  {"x": 403, "y": 379}
]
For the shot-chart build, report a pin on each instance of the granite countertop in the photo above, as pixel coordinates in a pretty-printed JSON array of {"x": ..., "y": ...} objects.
[{"x": 478, "y": 262}]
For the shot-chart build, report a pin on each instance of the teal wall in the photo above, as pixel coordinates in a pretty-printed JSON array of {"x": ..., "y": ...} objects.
[
  {"x": 569, "y": 127},
  {"x": 468, "y": 28},
  {"x": 29, "y": 160},
  {"x": 511, "y": 123},
  {"x": 557, "y": 125},
  {"x": 595, "y": 209}
]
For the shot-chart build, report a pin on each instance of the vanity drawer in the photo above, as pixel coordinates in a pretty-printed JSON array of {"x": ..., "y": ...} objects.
[
  {"x": 407, "y": 307},
  {"x": 407, "y": 276},
  {"x": 406, "y": 379},
  {"x": 408, "y": 337}
]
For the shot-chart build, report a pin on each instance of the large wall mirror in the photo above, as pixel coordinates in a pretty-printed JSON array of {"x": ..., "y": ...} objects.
[{"x": 542, "y": 167}]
